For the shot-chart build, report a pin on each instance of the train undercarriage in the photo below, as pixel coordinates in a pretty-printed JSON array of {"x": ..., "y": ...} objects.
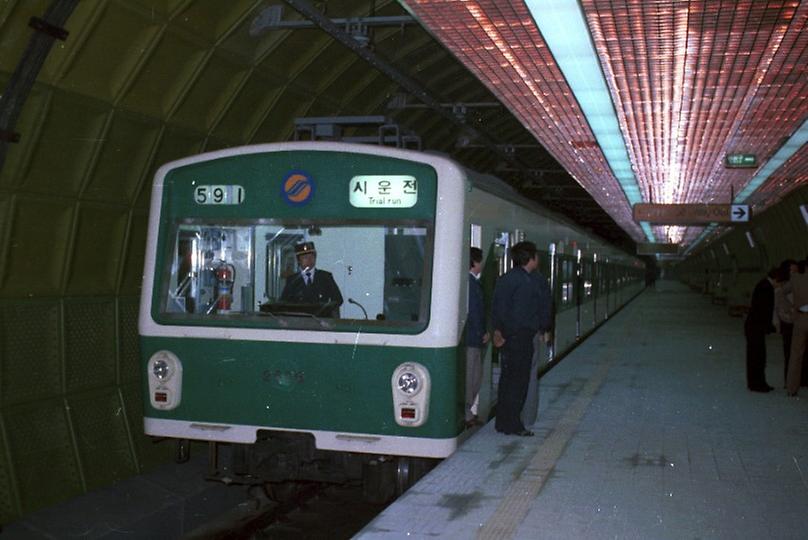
[{"x": 283, "y": 463}]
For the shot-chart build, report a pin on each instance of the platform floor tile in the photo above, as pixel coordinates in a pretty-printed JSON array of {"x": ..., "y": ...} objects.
[{"x": 646, "y": 430}]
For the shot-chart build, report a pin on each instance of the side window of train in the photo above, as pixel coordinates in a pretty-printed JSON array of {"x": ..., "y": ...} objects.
[
  {"x": 476, "y": 236},
  {"x": 587, "y": 278},
  {"x": 567, "y": 279},
  {"x": 501, "y": 244}
]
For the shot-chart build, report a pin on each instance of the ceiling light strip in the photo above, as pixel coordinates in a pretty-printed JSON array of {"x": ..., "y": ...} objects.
[
  {"x": 479, "y": 33},
  {"x": 791, "y": 147},
  {"x": 564, "y": 29}
]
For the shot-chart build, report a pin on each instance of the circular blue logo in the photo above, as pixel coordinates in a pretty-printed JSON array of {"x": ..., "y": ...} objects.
[{"x": 297, "y": 188}]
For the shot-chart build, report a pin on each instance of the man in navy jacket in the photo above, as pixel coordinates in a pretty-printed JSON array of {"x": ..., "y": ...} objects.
[
  {"x": 521, "y": 310},
  {"x": 476, "y": 335}
]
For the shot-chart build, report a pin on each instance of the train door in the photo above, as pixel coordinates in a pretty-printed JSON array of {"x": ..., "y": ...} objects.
[
  {"x": 552, "y": 277},
  {"x": 595, "y": 288},
  {"x": 501, "y": 244},
  {"x": 483, "y": 401},
  {"x": 607, "y": 287},
  {"x": 578, "y": 295}
]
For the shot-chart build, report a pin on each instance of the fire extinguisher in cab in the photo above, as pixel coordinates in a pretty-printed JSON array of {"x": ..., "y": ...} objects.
[{"x": 225, "y": 276}]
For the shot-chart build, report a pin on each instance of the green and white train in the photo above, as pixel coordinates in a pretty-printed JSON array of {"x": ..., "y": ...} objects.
[{"x": 292, "y": 394}]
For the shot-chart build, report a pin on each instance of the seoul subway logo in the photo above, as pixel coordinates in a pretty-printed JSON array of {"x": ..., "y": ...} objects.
[{"x": 297, "y": 188}]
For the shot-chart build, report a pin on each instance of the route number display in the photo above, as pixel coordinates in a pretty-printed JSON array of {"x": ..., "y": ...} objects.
[{"x": 223, "y": 194}]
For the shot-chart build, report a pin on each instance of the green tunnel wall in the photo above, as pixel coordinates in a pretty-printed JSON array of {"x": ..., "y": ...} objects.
[{"x": 136, "y": 84}]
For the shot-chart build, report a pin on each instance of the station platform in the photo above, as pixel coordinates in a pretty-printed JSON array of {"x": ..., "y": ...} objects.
[{"x": 646, "y": 430}]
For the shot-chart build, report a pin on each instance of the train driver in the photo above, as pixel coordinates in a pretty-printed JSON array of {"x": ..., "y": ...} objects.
[{"x": 312, "y": 285}]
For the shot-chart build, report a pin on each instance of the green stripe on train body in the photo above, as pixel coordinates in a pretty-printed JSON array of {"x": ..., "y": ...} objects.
[{"x": 307, "y": 386}]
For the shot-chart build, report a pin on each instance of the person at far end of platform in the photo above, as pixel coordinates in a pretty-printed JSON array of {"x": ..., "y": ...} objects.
[
  {"x": 521, "y": 309},
  {"x": 783, "y": 309},
  {"x": 476, "y": 335},
  {"x": 798, "y": 286},
  {"x": 759, "y": 322}
]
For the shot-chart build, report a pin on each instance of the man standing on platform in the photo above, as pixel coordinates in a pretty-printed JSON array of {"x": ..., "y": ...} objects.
[
  {"x": 799, "y": 338},
  {"x": 476, "y": 336},
  {"x": 759, "y": 322},
  {"x": 521, "y": 310}
]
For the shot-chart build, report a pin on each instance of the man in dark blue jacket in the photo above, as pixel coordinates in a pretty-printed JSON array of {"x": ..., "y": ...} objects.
[
  {"x": 476, "y": 336},
  {"x": 521, "y": 310},
  {"x": 759, "y": 322}
]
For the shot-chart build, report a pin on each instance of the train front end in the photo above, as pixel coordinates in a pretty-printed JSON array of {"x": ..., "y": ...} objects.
[{"x": 229, "y": 356}]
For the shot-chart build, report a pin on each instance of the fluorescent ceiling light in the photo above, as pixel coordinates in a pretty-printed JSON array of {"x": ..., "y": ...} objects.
[
  {"x": 792, "y": 145},
  {"x": 564, "y": 29}
]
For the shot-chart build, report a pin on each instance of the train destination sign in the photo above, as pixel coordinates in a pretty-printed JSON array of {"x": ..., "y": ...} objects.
[
  {"x": 383, "y": 191},
  {"x": 691, "y": 214}
]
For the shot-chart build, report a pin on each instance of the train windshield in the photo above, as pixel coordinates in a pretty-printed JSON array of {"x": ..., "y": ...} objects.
[{"x": 312, "y": 275}]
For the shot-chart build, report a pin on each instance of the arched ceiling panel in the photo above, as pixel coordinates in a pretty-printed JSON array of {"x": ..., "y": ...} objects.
[
  {"x": 212, "y": 20},
  {"x": 116, "y": 41},
  {"x": 165, "y": 77},
  {"x": 278, "y": 124},
  {"x": 173, "y": 143},
  {"x": 294, "y": 53},
  {"x": 212, "y": 91},
  {"x": 71, "y": 131},
  {"x": 130, "y": 139},
  {"x": 348, "y": 83},
  {"x": 249, "y": 108},
  {"x": 163, "y": 9},
  {"x": 366, "y": 90},
  {"x": 133, "y": 255},
  {"x": 98, "y": 247},
  {"x": 41, "y": 228},
  {"x": 188, "y": 76},
  {"x": 14, "y": 29}
]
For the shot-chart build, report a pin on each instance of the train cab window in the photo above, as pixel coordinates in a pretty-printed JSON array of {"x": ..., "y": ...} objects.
[{"x": 237, "y": 273}]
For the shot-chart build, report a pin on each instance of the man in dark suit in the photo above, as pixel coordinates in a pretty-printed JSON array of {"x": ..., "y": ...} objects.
[
  {"x": 521, "y": 310},
  {"x": 759, "y": 322},
  {"x": 312, "y": 285}
]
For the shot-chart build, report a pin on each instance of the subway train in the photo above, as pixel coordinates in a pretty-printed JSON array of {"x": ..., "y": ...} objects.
[{"x": 289, "y": 391}]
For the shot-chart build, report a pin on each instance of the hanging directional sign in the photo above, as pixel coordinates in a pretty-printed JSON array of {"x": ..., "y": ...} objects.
[
  {"x": 691, "y": 214},
  {"x": 739, "y": 213}
]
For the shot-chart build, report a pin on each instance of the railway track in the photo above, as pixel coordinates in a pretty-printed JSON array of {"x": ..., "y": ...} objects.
[{"x": 315, "y": 511}]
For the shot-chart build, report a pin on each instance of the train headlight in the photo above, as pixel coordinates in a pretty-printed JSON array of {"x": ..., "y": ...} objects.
[
  {"x": 164, "y": 372},
  {"x": 161, "y": 369},
  {"x": 410, "y": 385}
]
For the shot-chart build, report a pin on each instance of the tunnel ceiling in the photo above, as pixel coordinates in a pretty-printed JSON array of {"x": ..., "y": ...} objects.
[
  {"x": 138, "y": 83},
  {"x": 688, "y": 81}
]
